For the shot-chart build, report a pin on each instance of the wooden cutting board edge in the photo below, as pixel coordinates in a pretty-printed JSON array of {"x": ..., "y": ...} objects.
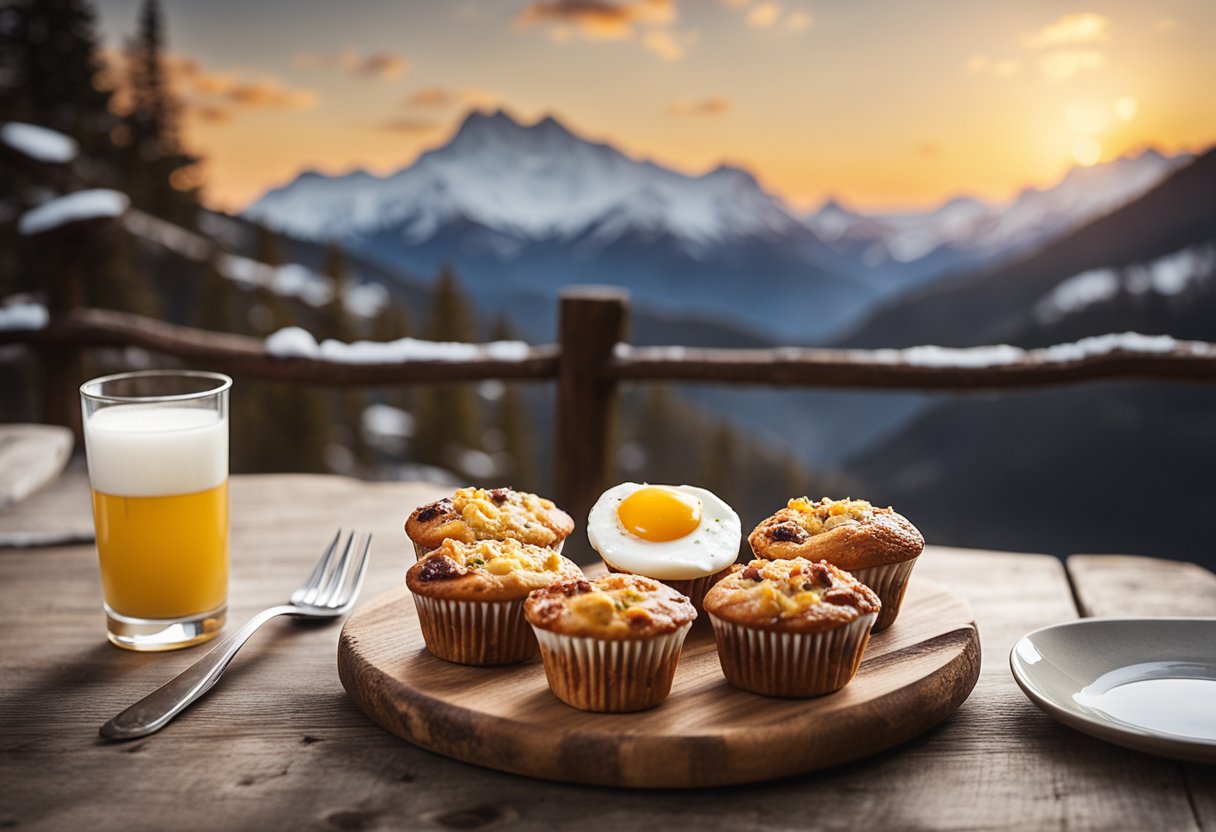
[{"x": 635, "y": 760}]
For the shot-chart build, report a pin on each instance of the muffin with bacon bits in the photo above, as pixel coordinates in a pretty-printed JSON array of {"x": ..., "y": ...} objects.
[
  {"x": 610, "y": 644},
  {"x": 473, "y": 514},
  {"x": 792, "y": 628},
  {"x": 470, "y": 598},
  {"x": 877, "y": 545}
]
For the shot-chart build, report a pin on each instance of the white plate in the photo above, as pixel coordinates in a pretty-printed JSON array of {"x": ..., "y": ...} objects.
[{"x": 1144, "y": 683}]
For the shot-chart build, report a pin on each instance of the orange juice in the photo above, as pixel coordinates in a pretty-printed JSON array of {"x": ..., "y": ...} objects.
[
  {"x": 160, "y": 507},
  {"x": 163, "y": 557}
]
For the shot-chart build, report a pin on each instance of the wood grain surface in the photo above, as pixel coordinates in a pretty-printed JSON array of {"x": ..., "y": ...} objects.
[
  {"x": 707, "y": 733},
  {"x": 1113, "y": 585},
  {"x": 279, "y": 745}
]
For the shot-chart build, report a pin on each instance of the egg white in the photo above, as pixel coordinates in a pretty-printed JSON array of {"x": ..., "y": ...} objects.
[{"x": 710, "y": 547}]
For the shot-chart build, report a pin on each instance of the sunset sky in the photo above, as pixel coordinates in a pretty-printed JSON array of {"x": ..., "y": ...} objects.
[{"x": 885, "y": 104}]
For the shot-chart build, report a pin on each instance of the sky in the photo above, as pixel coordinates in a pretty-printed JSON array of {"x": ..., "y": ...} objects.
[{"x": 883, "y": 104}]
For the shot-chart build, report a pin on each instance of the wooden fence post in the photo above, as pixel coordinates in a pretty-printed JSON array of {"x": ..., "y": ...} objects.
[
  {"x": 63, "y": 364},
  {"x": 593, "y": 319}
]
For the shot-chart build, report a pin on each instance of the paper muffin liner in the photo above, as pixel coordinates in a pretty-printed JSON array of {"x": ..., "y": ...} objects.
[
  {"x": 889, "y": 583},
  {"x": 475, "y": 632},
  {"x": 695, "y": 588},
  {"x": 791, "y": 664},
  {"x": 608, "y": 675},
  {"x": 421, "y": 551}
]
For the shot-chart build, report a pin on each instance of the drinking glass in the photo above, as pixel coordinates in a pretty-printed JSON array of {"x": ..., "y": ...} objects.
[{"x": 157, "y": 449}]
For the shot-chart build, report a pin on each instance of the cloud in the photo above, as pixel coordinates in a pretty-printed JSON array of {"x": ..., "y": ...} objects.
[
  {"x": 1082, "y": 27},
  {"x": 215, "y": 98},
  {"x": 440, "y": 98},
  {"x": 1065, "y": 63},
  {"x": 712, "y": 106},
  {"x": 269, "y": 94},
  {"x": 664, "y": 44},
  {"x": 212, "y": 113},
  {"x": 763, "y": 15},
  {"x": 596, "y": 19},
  {"x": 387, "y": 66},
  {"x": 408, "y": 125}
]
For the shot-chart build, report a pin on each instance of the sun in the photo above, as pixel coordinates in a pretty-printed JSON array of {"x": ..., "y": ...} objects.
[{"x": 1086, "y": 151}]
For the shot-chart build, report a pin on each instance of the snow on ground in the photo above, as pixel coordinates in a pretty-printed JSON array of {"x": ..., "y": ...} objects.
[
  {"x": 289, "y": 280},
  {"x": 74, "y": 207},
  {"x": 294, "y": 342},
  {"x": 39, "y": 143},
  {"x": 1169, "y": 275},
  {"x": 384, "y": 420},
  {"x": 23, "y": 315},
  {"x": 366, "y": 299}
]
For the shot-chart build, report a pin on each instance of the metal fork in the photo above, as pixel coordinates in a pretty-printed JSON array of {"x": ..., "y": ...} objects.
[{"x": 329, "y": 592}]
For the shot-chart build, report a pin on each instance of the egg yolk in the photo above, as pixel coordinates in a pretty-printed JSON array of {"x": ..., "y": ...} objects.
[{"x": 660, "y": 514}]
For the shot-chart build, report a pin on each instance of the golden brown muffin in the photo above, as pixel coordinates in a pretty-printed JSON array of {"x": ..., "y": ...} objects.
[
  {"x": 878, "y": 545},
  {"x": 791, "y": 627},
  {"x": 611, "y": 644},
  {"x": 473, "y": 514},
  {"x": 615, "y": 606},
  {"x": 470, "y": 598}
]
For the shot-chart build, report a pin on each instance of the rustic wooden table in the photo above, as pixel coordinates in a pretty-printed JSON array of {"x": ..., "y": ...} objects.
[{"x": 277, "y": 745}]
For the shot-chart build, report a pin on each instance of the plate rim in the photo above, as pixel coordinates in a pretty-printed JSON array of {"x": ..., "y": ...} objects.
[{"x": 1138, "y": 739}]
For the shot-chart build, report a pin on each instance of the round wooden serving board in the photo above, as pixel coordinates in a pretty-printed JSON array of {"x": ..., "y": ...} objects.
[{"x": 707, "y": 733}]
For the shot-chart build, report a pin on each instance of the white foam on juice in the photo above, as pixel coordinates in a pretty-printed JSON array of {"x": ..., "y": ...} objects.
[{"x": 138, "y": 450}]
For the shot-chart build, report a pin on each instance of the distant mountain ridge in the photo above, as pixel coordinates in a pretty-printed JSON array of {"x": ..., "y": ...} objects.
[
  {"x": 965, "y": 233},
  {"x": 999, "y": 304}
]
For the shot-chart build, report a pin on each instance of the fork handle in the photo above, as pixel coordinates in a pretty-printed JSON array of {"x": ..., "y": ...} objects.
[{"x": 155, "y": 710}]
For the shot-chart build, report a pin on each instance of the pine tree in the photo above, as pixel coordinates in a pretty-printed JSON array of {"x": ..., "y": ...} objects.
[
  {"x": 158, "y": 168},
  {"x": 213, "y": 307},
  {"x": 390, "y": 323},
  {"x": 451, "y": 317},
  {"x": 515, "y": 423},
  {"x": 336, "y": 323},
  {"x": 721, "y": 462},
  {"x": 49, "y": 56},
  {"x": 447, "y": 416},
  {"x": 335, "y": 317}
]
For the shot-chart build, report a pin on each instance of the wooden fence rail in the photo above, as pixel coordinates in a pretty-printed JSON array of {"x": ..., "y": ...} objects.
[{"x": 592, "y": 359}]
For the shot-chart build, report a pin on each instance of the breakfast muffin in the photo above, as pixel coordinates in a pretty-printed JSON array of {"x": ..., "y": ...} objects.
[
  {"x": 877, "y": 545},
  {"x": 684, "y": 536},
  {"x": 470, "y": 598},
  {"x": 791, "y": 627},
  {"x": 611, "y": 644},
  {"x": 473, "y": 514}
]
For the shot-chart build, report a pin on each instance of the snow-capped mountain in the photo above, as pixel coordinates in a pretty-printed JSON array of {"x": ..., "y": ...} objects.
[
  {"x": 537, "y": 182},
  {"x": 522, "y": 209},
  {"x": 966, "y": 231}
]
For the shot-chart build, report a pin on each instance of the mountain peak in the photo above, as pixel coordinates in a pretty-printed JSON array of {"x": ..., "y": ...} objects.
[{"x": 536, "y": 181}]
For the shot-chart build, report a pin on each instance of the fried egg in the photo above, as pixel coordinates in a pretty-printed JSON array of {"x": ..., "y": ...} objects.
[{"x": 673, "y": 532}]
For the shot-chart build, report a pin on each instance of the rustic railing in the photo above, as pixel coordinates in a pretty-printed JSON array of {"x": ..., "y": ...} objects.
[{"x": 592, "y": 358}]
